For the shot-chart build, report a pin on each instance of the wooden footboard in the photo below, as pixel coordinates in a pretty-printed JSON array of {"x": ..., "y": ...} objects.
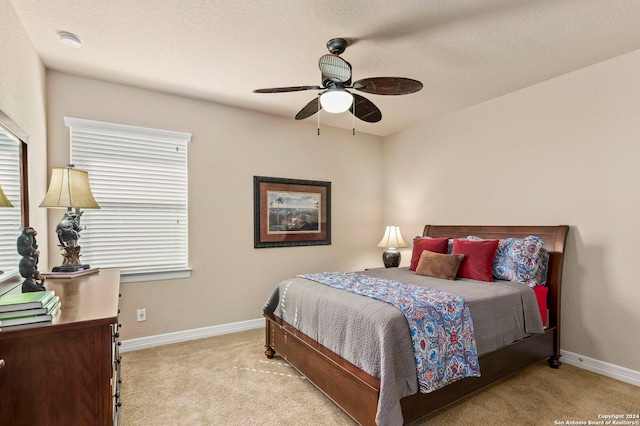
[
  {"x": 356, "y": 392},
  {"x": 494, "y": 366},
  {"x": 352, "y": 389}
]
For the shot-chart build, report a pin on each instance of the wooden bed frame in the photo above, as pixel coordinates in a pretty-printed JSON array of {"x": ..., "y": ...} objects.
[{"x": 356, "y": 392}]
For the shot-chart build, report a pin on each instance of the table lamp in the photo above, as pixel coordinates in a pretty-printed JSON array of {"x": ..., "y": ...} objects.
[
  {"x": 391, "y": 240},
  {"x": 69, "y": 188}
]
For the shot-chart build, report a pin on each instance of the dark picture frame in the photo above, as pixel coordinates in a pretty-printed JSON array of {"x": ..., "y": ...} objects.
[{"x": 291, "y": 212}]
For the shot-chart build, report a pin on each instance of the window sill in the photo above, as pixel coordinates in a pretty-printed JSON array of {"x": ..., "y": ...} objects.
[{"x": 174, "y": 274}]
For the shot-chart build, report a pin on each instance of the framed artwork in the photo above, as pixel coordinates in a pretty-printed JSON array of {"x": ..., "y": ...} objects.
[{"x": 291, "y": 212}]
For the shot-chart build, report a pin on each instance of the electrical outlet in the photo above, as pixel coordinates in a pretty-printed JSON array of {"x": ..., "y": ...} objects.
[{"x": 142, "y": 314}]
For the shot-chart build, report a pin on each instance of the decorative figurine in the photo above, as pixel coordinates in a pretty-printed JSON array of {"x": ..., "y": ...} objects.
[
  {"x": 68, "y": 231},
  {"x": 28, "y": 249}
]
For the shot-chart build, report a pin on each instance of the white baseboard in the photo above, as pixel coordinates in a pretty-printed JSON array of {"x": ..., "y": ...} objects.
[
  {"x": 183, "y": 336},
  {"x": 610, "y": 370}
]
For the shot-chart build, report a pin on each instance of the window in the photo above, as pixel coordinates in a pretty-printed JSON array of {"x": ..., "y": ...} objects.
[
  {"x": 139, "y": 177},
  {"x": 10, "y": 218}
]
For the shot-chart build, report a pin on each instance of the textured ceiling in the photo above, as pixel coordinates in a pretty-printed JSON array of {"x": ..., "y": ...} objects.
[{"x": 464, "y": 51}]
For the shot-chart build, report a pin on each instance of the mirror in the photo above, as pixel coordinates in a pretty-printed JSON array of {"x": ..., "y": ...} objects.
[{"x": 13, "y": 180}]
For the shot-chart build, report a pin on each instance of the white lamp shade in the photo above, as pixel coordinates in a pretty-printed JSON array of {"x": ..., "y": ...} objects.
[
  {"x": 69, "y": 188},
  {"x": 336, "y": 100},
  {"x": 392, "y": 238}
]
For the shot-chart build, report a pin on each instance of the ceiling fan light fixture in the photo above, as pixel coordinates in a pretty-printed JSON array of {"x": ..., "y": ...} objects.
[
  {"x": 69, "y": 39},
  {"x": 336, "y": 100}
]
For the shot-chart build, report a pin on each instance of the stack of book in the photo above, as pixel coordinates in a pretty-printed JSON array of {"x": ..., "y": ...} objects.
[{"x": 23, "y": 310}]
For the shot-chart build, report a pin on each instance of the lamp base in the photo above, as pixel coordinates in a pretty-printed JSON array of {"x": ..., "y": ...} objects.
[
  {"x": 391, "y": 258},
  {"x": 70, "y": 268}
]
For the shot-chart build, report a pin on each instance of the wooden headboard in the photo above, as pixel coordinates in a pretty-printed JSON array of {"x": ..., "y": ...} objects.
[{"x": 554, "y": 241}]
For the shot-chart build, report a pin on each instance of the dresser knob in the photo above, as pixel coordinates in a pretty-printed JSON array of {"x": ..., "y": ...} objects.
[{"x": 2, "y": 364}]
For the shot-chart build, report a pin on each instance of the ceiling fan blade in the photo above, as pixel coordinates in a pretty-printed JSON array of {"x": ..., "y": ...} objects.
[
  {"x": 335, "y": 69},
  {"x": 309, "y": 109},
  {"x": 365, "y": 110},
  {"x": 287, "y": 89},
  {"x": 388, "y": 85}
]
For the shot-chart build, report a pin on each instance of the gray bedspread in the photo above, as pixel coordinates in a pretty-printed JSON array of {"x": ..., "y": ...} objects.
[{"x": 375, "y": 336}]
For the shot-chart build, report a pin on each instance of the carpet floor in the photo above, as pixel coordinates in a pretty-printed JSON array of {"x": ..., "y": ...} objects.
[{"x": 227, "y": 380}]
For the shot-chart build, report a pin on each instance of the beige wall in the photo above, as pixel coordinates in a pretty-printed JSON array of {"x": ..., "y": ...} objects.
[
  {"x": 22, "y": 78},
  {"x": 565, "y": 151},
  {"x": 231, "y": 280}
]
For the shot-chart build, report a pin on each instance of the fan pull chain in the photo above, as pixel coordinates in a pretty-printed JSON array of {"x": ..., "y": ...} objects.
[
  {"x": 353, "y": 118},
  {"x": 319, "y": 115}
]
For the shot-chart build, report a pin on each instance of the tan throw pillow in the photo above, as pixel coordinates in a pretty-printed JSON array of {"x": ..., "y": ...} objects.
[{"x": 438, "y": 265}]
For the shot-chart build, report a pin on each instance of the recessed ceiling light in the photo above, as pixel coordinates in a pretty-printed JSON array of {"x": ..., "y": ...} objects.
[{"x": 69, "y": 39}]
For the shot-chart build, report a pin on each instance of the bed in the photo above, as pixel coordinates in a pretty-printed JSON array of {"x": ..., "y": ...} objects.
[{"x": 363, "y": 395}]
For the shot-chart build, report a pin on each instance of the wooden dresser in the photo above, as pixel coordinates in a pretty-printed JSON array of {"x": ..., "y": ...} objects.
[{"x": 68, "y": 371}]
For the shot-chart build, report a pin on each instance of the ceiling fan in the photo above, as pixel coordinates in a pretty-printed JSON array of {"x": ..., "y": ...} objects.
[{"x": 336, "y": 79}]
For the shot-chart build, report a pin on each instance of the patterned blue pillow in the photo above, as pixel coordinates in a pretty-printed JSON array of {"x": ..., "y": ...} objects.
[{"x": 521, "y": 260}]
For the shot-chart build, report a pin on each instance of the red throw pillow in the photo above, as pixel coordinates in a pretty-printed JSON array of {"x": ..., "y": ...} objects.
[
  {"x": 541, "y": 296},
  {"x": 436, "y": 245},
  {"x": 478, "y": 258}
]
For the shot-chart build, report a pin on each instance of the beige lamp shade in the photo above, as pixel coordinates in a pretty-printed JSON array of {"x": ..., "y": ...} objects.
[
  {"x": 392, "y": 238},
  {"x": 4, "y": 201},
  {"x": 69, "y": 187}
]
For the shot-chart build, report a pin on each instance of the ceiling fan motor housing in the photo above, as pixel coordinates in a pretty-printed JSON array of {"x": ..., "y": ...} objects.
[{"x": 337, "y": 46}]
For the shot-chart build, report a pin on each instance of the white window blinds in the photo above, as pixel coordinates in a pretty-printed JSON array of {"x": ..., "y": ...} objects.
[
  {"x": 10, "y": 217},
  {"x": 139, "y": 177}
]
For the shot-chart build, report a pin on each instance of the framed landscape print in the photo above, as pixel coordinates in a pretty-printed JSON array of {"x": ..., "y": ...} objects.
[{"x": 291, "y": 212}]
